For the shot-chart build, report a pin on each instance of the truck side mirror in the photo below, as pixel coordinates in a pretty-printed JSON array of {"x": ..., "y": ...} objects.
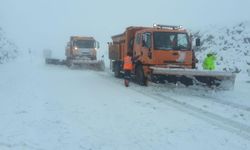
[{"x": 197, "y": 42}]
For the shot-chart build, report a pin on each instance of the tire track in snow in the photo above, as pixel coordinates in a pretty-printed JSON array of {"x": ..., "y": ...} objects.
[
  {"x": 206, "y": 97},
  {"x": 215, "y": 119},
  {"x": 215, "y": 100},
  {"x": 227, "y": 103}
]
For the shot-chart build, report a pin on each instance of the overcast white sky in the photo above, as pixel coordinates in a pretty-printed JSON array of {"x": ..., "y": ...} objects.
[{"x": 39, "y": 24}]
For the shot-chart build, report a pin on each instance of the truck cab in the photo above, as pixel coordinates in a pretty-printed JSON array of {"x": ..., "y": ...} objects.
[
  {"x": 80, "y": 47},
  {"x": 161, "y": 46},
  {"x": 166, "y": 46}
]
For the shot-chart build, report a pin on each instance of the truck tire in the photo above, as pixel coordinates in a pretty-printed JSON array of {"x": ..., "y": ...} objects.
[
  {"x": 117, "y": 69},
  {"x": 140, "y": 77}
]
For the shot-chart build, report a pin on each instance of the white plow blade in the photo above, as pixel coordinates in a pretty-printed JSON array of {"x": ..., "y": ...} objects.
[
  {"x": 90, "y": 64},
  {"x": 85, "y": 61},
  {"x": 226, "y": 79}
]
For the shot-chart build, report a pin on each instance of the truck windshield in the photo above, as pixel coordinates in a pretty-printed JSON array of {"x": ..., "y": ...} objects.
[
  {"x": 84, "y": 43},
  {"x": 170, "y": 41}
]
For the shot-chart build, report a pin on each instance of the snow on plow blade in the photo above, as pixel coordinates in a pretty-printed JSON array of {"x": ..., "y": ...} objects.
[
  {"x": 216, "y": 79},
  {"x": 90, "y": 64}
]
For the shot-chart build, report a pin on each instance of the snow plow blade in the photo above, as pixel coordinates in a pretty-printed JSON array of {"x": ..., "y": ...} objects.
[
  {"x": 213, "y": 79},
  {"x": 88, "y": 64},
  {"x": 73, "y": 64},
  {"x": 55, "y": 61}
]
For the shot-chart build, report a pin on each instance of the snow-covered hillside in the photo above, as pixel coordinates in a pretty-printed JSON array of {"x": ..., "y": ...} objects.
[
  {"x": 8, "y": 50},
  {"x": 231, "y": 43}
]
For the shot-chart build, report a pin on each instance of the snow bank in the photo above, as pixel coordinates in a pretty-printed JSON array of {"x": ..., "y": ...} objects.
[
  {"x": 231, "y": 43},
  {"x": 8, "y": 50}
]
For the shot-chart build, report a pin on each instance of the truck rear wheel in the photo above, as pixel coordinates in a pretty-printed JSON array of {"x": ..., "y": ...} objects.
[{"x": 140, "y": 77}]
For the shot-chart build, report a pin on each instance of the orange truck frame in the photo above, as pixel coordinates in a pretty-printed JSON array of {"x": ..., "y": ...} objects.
[
  {"x": 163, "y": 53},
  {"x": 159, "y": 46}
]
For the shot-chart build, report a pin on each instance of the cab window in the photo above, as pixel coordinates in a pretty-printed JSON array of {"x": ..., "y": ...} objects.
[
  {"x": 146, "y": 40},
  {"x": 138, "y": 38},
  {"x": 182, "y": 41},
  {"x": 171, "y": 41}
]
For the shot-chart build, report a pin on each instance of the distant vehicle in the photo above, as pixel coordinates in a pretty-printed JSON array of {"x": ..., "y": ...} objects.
[
  {"x": 81, "y": 51},
  {"x": 163, "y": 53}
]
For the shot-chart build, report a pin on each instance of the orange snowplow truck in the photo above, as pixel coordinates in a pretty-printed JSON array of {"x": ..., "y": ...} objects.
[
  {"x": 162, "y": 53},
  {"x": 81, "y": 46},
  {"x": 82, "y": 51},
  {"x": 159, "y": 46}
]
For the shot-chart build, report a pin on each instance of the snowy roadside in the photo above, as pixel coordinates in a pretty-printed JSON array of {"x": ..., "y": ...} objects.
[
  {"x": 223, "y": 107},
  {"x": 51, "y": 107},
  {"x": 232, "y": 104}
]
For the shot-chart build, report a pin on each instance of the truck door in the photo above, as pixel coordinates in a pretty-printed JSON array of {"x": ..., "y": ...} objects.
[
  {"x": 182, "y": 47},
  {"x": 146, "y": 48},
  {"x": 137, "y": 45}
]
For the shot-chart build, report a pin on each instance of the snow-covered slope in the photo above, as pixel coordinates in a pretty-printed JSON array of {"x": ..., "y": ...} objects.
[
  {"x": 231, "y": 43},
  {"x": 8, "y": 50}
]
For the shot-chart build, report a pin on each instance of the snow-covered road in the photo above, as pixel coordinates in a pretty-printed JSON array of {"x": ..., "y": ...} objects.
[{"x": 51, "y": 107}]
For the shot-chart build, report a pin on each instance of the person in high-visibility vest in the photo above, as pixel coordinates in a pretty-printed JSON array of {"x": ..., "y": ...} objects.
[
  {"x": 127, "y": 67},
  {"x": 209, "y": 62}
]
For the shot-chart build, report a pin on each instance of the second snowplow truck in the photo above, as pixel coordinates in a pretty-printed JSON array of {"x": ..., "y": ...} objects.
[
  {"x": 81, "y": 51},
  {"x": 163, "y": 53}
]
